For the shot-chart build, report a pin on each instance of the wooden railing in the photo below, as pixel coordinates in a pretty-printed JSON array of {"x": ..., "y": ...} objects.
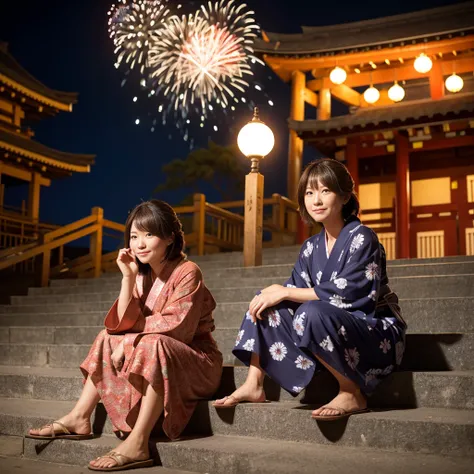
[
  {"x": 55, "y": 240},
  {"x": 16, "y": 231},
  {"x": 214, "y": 227},
  {"x": 382, "y": 221}
]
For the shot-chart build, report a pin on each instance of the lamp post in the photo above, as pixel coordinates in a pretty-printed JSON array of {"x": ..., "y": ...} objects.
[{"x": 255, "y": 141}]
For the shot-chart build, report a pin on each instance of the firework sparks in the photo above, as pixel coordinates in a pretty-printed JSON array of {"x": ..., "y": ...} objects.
[
  {"x": 131, "y": 26},
  {"x": 204, "y": 57}
]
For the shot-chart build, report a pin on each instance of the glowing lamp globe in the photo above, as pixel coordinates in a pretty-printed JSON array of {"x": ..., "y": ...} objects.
[
  {"x": 423, "y": 64},
  {"x": 454, "y": 83},
  {"x": 338, "y": 75},
  {"x": 371, "y": 95},
  {"x": 255, "y": 140},
  {"x": 396, "y": 93}
]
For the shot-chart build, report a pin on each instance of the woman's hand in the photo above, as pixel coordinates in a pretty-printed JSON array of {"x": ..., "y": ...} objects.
[
  {"x": 269, "y": 297},
  {"x": 118, "y": 357},
  {"x": 127, "y": 263}
]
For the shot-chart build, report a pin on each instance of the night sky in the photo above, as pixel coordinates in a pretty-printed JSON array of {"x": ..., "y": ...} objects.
[{"x": 65, "y": 45}]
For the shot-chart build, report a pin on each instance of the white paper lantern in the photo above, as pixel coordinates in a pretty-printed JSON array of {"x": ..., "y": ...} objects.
[
  {"x": 423, "y": 64},
  {"x": 396, "y": 92},
  {"x": 255, "y": 139},
  {"x": 454, "y": 83},
  {"x": 371, "y": 95},
  {"x": 338, "y": 75}
]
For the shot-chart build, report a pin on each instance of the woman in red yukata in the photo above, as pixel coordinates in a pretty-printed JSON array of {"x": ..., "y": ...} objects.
[{"x": 156, "y": 356}]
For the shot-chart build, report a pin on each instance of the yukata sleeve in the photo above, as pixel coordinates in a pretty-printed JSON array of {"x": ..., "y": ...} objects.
[
  {"x": 301, "y": 274},
  {"x": 180, "y": 316},
  {"x": 356, "y": 285},
  {"x": 133, "y": 319}
]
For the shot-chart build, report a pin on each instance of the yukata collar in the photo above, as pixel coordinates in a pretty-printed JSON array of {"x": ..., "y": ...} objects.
[{"x": 337, "y": 251}]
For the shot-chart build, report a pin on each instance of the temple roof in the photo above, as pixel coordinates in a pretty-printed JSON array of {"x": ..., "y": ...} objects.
[
  {"x": 401, "y": 115},
  {"x": 417, "y": 27},
  {"x": 21, "y": 146},
  {"x": 15, "y": 76}
]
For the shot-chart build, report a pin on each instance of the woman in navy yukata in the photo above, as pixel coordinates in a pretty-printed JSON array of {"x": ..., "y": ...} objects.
[{"x": 335, "y": 311}]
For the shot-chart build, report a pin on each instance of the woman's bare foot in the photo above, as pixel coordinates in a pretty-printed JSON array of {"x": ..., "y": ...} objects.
[
  {"x": 347, "y": 401},
  {"x": 246, "y": 393},
  {"x": 74, "y": 423},
  {"x": 129, "y": 448}
]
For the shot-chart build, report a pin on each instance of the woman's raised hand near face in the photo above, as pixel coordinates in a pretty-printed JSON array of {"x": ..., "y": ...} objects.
[{"x": 127, "y": 263}]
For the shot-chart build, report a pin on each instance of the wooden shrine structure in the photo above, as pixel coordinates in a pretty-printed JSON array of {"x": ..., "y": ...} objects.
[
  {"x": 23, "y": 101},
  {"x": 412, "y": 157}
]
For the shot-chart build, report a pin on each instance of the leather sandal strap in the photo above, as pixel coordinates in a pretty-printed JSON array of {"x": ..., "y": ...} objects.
[
  {"x": 120, "y": 459},
  {"x": 51, "y": 427},
  {"x": 339, "y": 409}
]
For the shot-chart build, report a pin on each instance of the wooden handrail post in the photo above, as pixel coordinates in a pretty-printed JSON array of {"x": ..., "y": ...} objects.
[
  {"x": 45, "y": 263},
  {"x": 277, "y": 210},
  {"x": 199, "y": 221},
  {"x": 96, "y": 242}
]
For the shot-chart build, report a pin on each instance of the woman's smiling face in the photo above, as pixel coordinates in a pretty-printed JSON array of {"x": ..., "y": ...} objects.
[
  {"x": 323, "y": 204},
  {"x": 148, "y": 248}
]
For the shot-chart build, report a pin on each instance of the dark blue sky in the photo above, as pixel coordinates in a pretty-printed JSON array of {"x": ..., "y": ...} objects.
[{"x": 65, "y": 44}]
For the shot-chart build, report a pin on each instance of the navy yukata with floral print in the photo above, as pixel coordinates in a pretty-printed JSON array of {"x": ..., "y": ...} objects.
[{"x": 355, "y": 327}]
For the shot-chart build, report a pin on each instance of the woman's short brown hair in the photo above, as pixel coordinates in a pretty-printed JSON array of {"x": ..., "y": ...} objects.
[
  {"x": 158, "y": 218},
  {"x": 336, "y": 177}
]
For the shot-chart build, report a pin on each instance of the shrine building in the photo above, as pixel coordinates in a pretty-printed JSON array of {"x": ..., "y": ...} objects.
[
  {"x": 392, "y": 98},
  {"x": 23, "y": 102}
]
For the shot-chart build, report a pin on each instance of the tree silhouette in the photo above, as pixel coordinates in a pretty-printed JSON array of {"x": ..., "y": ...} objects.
[{"x": 218, "y": 166}]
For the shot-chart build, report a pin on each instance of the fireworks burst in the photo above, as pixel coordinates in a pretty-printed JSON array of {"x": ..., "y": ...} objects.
[
  {"x": 204, "y": 57},
  {"x": 131, "y": 26}
]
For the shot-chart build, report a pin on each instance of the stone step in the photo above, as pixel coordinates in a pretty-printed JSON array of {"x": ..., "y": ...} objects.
[
  {"x": 433, "y": 315},
  {"x": 453, "y": 389},
  {"x": 232, "y": 290},
  {"x": 242, "y": 455},
  {"x": 424, "y": 430},
  {"x": 15, "y": 465},
  {"x": 68, "y": 347},
  {"x": 278, "y": 272}
]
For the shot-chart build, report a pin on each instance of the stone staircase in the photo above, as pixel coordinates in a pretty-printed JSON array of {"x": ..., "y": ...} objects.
[{"x": 423, "y": 417}]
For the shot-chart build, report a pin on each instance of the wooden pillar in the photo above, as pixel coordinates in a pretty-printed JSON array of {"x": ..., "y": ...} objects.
[
  {"x": 352, "y": 162},
  {"x": 96, "y": 242},
  {"x": 199, "y": 221},
  {"x": 459, "y": 196},
  {"x": 324, "y": 104},
  {"x": 34, "y": 196},
  {"x": 436, "y": 81},
  {"x": 295, "y": 155},
  {"x": 253, "y": 219},
  {"x": 403, "y": 196}
]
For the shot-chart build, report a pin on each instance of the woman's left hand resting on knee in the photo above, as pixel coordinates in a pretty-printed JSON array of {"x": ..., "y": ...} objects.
[
  {"x": 118, "y": 357},
  {"x": 275, "y": 294}
]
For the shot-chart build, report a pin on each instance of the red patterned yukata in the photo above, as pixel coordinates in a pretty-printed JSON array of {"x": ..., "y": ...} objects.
[{"x": 166, "y": 331}]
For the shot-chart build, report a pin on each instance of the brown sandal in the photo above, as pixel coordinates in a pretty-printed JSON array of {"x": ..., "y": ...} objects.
[
  {"x": 64, "y": 433},
  {"x": 342, "y": 414},
  {"x": 123, "y": 463},
  {"x": 234, "y": 402}
]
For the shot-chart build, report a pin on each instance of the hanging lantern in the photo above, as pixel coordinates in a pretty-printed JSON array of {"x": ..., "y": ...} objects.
[
  {"x": 396, "y": 92},
  {"x": 371, "y": 95},
  {"x": 338, "y": 75},
  {"x": 454, "y": 83},
  {"x": 423, "y": 63}
]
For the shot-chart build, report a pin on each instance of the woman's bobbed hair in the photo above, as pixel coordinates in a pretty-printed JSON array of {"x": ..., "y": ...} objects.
[
  {"x": 336, "y": 177},
  {"x": 158, "y": 218}
]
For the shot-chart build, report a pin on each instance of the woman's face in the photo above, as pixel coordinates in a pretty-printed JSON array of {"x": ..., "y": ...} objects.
[
  {"x": 148, "y": 248},
  {"x": 322, "y": 204}
]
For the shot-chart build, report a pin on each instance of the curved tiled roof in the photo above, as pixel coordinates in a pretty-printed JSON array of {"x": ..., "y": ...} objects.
[
  {"x": 433, "y": 24},
  {"x": 18, "y": 144},
  {"x": 15, "y": 76},
  {"x": 398, "y": 115}
]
